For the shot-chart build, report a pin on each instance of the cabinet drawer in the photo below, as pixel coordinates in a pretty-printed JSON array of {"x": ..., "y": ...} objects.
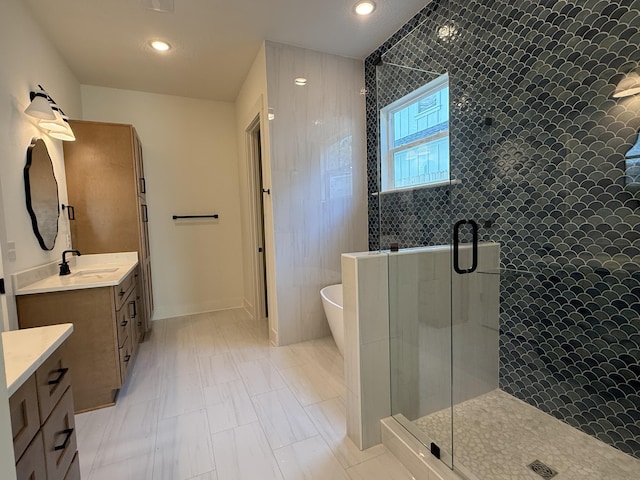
[
  {"x": 126, "y": 354},
  {"x": 25, "y": 420},
  {"x": 52, "y": 379},
  {"x": 122, "y": 324},
  {"x": 121, "y": 291},
  {"x": 59, "y": 437},
  {"x": 74, "y": 469},
  {"x": 32, "y": 466}
]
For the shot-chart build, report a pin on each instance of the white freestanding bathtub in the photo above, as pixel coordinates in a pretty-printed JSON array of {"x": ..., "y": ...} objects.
[{"x": 332, "y": 303}]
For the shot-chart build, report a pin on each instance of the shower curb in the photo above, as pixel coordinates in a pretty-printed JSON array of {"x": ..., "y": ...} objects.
[{"x": 412, "y": 454}]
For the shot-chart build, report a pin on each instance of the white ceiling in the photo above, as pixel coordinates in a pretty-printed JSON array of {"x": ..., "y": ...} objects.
[{"x": 105, "y": 42}]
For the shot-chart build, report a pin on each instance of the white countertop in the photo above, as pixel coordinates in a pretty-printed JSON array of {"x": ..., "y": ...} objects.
[
  {"x": 87, "y": 271},
  {"x": 25, "y": 350}
]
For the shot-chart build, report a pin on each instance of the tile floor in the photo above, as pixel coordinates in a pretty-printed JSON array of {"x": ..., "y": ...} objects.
[{"x": 209, "y": 399}]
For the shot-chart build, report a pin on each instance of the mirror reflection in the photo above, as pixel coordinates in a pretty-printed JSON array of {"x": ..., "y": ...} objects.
[
  {"x": 632, "y": 166},
  {"x": 41, "y": 190}
]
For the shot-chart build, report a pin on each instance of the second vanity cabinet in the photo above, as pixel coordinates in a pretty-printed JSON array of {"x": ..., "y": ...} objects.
[
  {"x": 41, "y": 403},
  {"x": 43, "y": 424},
  {"x": 106, "y": 323}
]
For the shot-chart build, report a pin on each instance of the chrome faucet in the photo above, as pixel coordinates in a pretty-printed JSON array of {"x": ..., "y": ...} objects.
[{"x": 64, "y": 266}]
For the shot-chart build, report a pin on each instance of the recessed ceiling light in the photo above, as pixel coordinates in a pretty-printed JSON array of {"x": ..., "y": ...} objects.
[
  {"x": 160, "y": 46},
  {"x": 365, "y": 7},
  {"x": 301, "y": 81}
]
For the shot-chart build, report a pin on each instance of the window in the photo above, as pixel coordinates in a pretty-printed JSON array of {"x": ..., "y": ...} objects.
[{"x": 414, "y": 137}]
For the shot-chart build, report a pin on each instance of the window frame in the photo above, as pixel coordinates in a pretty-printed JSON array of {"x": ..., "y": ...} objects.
[{"x": 387, "y": 163}]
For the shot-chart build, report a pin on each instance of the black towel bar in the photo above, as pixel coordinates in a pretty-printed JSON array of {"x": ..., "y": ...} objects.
[{"x": 215, "y": 215}]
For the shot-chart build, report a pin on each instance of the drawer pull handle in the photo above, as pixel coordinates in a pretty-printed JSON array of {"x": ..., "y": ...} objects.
[
  {"x": 61, "y": 373},
  {"x": 127, "y": 358},
  {"x": 68, "y": 432},
  {"x": 124, "y": 323},
  {"x": 121, "y": 293},
  {"x": 133, "y": 311}
]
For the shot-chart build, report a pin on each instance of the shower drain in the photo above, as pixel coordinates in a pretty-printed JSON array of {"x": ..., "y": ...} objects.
[{"x": 543, "y": 470}]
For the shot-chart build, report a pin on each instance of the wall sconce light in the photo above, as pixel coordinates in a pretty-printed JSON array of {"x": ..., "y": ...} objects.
[
  {"x": 40, "y": 106},
  {"x": 50, "y": 116},
  {"x": 629, "y": 85},
  {"x": 55, "y": 124},
  {"x": 66, "y": 135}
]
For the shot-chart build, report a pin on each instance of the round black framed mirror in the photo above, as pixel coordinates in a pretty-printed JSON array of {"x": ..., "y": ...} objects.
[{"x": 41, "y": 190}]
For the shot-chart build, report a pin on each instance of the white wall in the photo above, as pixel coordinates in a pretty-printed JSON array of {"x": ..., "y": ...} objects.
[
  {"x": 318, "y": 172},
  {"x": 190, "y": 161},
  {"x": 251, "y": 102},
  {"x": 27, "y": 59}
]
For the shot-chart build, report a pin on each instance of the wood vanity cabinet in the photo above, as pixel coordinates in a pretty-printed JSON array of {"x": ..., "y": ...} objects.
[
  {"x": 105, "y": 339},
  {"x": 43, "y": 425},
  {"x": 107, "y": 191}
]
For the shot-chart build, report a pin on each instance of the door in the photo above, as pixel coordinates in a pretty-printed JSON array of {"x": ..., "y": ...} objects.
[
  {"x": 258, "y": 191},
  {"x": 415, "y": 183}
]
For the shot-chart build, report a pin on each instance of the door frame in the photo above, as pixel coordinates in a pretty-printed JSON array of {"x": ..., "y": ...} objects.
[{"x": 256, "y": 206}]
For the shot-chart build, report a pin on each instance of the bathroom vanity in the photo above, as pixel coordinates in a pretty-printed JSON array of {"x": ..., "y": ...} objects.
[
  {"x": 100, "y": 299},
  {"x": 41, "y": 404}
]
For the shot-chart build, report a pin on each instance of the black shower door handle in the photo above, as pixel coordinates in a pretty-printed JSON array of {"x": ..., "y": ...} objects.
[{"x": 456, "y": 247}]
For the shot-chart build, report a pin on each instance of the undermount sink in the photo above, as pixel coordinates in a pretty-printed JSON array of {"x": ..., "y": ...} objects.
[{"x": 94, "y": 272}]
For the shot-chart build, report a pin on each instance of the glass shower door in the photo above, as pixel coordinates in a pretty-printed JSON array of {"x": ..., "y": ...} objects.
[
  {"x": 419, "y": 285},
  {"x": 476, "y": 204},
  {"x": 413, "y": 200}
]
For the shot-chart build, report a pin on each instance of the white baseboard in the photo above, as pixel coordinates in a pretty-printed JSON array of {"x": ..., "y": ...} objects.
[
  {"x": 248, "y": 307},
  {"x": 171, "y": 311}
]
